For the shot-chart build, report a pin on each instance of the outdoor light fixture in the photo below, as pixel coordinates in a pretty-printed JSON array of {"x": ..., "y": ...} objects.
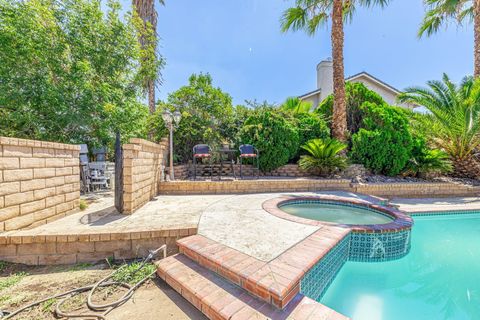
[{"x": 171, "y": 120}]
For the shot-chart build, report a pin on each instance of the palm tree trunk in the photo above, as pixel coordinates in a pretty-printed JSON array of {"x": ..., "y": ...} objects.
[
  {"x": 339, "y": 120},
  {"x": 151, "y": 96},
  {"x": 146, "y": 11},
  {"x": 467, "y": 167},
  {"x": 476, "y": 31}
]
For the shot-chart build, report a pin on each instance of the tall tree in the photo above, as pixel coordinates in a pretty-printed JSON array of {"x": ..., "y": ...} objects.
[
  {"x": 440, "y": 12},
  {"x": 309, "y": 15},
  {"x": 145, "y": 9},
  {"x": 57, "y": 61}
]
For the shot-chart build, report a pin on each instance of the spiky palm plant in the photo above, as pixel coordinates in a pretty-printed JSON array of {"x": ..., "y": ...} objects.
[
  {"x": 440, "y": 12},
  {"x": 453, "y": 120},
  {"x": 295, "y": 105},
  {"x": 324, "y": 156},
  {"x": 309, "y": 15},
  {"x": 430, "y": 161}
]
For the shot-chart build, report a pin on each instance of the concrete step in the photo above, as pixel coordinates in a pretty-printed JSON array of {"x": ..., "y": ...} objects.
[
  {"x": 277, "y": 281},
  {"x": 218, "y": 298}
]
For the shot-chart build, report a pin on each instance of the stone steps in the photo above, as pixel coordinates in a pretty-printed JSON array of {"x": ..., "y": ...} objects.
[
  {"x": 218, "y": 298},
  {"x": 277, "y": 281}
]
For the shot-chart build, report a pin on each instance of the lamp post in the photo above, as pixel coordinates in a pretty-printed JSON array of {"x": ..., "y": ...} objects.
[{"x": 171, "y": 120}]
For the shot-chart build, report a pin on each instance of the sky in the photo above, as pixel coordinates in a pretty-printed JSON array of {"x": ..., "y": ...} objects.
[{"x": 240, "y": 44}]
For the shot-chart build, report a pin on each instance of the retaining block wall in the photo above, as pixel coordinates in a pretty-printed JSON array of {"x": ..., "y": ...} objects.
[
  {"x": 39, "y": 182},
  {"x": 184, "y": 171},
  {"x": 79, "y": 248},
  {"x": 387, "y": 190},
  {"x": 143, "y": 166}
]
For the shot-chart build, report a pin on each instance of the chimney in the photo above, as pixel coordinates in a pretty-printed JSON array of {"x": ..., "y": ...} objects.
[{"x": 325, "y": 78}]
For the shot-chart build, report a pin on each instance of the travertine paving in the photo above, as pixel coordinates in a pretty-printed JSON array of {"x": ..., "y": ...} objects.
[{"x": 164, "y": 212}]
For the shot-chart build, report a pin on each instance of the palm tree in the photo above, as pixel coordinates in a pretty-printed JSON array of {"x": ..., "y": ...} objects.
[
  {"x": 439, "y": 12},
  {"x": 309, "y": 15},
  {"x": 145, "y": 9},
  {"x": 453, "y": 123},
  {"x": 295, "y": 105}
]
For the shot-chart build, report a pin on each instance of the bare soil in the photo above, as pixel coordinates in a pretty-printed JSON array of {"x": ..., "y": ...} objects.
[{"x": 21, "y": 285}]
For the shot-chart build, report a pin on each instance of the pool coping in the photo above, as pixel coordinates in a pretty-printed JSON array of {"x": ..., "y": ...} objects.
[{"x": 402, "y": 220}]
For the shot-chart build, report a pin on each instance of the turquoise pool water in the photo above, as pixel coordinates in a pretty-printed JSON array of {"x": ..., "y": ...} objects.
[
  {"x": 438, "y": 279},
  {"x": 335, "y": 213}
]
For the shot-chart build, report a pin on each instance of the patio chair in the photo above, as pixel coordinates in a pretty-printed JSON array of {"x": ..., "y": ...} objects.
[
  {"x": 98, "y": 174},
  {"x": 99, "y": 154},
  {"x": 249, "y": 152},
  {"x": 201, "y": 151}
]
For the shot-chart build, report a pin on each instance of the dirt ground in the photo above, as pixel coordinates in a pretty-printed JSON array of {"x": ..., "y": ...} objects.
[{"x": 21, "y": 285}]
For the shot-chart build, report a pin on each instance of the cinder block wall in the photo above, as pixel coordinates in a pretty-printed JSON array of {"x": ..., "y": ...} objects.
[
  {"x": 39, "y": 182},
  {"x": 143, "y": 164}
]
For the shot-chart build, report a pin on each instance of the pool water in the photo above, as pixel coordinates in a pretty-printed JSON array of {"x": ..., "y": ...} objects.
[
  {"x": 336, "y": 213},
  {"x": 438, "y": 279}
]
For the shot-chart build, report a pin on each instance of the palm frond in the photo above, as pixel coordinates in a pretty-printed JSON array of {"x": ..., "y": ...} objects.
[
  {"x": 294, "y": 19},
  {"x": 439, "y": 12}
]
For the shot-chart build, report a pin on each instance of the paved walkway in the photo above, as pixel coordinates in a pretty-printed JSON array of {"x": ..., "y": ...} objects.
[{"x": 164, "y": 212}]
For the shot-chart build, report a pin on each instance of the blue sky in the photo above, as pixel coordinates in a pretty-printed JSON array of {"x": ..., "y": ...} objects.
[{"x": 240, "y": 44}]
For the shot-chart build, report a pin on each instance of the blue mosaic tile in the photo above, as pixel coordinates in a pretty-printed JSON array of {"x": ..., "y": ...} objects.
[
  {"x": 376, "y": 247},
  {"x": 317, "y": 280},
  {"x": 364, "y": 247}
]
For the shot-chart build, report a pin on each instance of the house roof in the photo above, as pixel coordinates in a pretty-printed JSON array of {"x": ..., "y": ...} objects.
[
  {"x": 354, "y": 77},
  {"x": 311, "y": 93},
  {"x": 374, "y": 79}
]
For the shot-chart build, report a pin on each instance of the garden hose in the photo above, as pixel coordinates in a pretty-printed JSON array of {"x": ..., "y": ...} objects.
[{"x": 104, "y": 308}]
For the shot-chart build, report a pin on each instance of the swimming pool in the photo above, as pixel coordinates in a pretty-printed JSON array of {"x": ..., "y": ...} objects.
[
  {"x": 336, "y": 213},
  {"x": 438, "y": 279}
]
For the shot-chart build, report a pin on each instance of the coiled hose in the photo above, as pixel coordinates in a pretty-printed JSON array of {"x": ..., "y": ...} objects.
[{"x": 103, "y": 308}]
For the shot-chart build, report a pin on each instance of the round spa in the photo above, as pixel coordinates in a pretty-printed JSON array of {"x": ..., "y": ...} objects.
[
  {"x": 336, "y": 213},
  {"x": 379, "y": 232}
]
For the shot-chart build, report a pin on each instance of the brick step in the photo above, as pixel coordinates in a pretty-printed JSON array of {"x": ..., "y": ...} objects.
[
  {"x": 277, "y": 281},
  {"x": 217, "y": 298}
]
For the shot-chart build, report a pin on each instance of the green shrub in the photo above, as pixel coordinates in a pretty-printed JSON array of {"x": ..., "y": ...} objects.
[
  {"x": 356, "y": 94},
  {"x": 424, "y": 160},
  {"x": 310, "y": 126},
  {"x": 383, "y": 143},
  {"x": 273, "y": 135},
  {"x": 323, "y": 157}
]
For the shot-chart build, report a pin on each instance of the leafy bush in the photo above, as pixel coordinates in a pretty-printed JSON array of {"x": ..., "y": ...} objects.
[
  {"x": 424, "y": 160},
  {"x": 384, "y": 142},
  {"x": 357, "y": 94},
  {"x": 310, "y": 126},
  {"x": 323, "y": 157},
  {"x": 273, "y": 135}
]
